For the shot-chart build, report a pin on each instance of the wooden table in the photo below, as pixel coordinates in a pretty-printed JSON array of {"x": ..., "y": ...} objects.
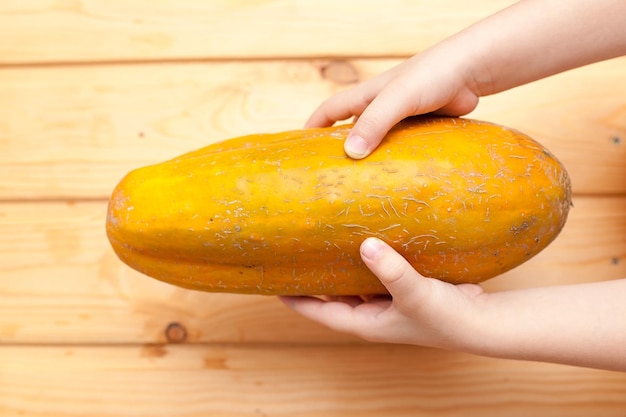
[{"x": 92, "y": 89}]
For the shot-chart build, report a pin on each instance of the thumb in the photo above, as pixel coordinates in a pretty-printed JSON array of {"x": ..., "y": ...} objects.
[
  {"x": 395, "y": 273},
  {"x": 369, "y": 131},
  {"x": 388, "y": 108}
]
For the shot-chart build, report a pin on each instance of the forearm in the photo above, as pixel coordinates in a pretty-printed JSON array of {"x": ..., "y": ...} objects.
[
  {"x": 582, "y": 325},
  {"x": 533, "y": 39}
]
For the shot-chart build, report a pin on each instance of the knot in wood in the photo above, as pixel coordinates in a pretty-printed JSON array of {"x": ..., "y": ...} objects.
[
  {"x": 340, "y": 72},
  {"x": 175, "y": 333}
]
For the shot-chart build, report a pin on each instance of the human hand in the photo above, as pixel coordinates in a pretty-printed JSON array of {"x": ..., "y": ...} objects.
[
  {"x": 579, "y": 324},
  {"x": 421, "y": 311},
  {"x": 435, "y": 81},
  {"x": 493, "y": 55}
]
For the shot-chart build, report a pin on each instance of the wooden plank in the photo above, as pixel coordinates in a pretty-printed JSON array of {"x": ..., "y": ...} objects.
[
  {"x": 44, "y": 31},
  {"x": 228, "y": 381},
  {"x": 73, "y": 132},
  {"x": 60, "y": 282}
]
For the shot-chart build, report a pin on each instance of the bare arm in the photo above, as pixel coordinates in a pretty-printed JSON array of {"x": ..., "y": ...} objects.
[
  {"x": 578, "y": 324},
  {"x": 583, "y": 325},
  {"x": 531, "y": 39}
]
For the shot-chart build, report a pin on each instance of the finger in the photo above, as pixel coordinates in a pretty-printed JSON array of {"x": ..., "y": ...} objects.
[
  {"x": 394, "y": 272},
  {"x": 462, "y": 104},
  {"x": 346, "y": 299},
  {"x": 389, "y": 107},
  {"x": 351, "y": 102},
  {"x": 341, "y": 106},
  {"x": 333, "y": 314},
  {"x": 365, "y": 320}
]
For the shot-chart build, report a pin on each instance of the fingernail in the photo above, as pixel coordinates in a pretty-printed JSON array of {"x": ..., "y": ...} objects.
[
  {"x": 356, "y": 147},
  {"x": 371, "y": 248}
]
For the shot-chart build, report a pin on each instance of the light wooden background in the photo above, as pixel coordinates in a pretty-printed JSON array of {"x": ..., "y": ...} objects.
[{"x": 92, "y": 89}]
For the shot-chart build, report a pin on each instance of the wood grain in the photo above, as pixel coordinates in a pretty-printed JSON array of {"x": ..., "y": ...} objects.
[
  {"x": 92, "y": 89},
  {"x": 144, "y": 30},
  {"x": 228, "y": 381},
  {"x": 73, "y": 132},
  {"x": 60, "y": 282}
]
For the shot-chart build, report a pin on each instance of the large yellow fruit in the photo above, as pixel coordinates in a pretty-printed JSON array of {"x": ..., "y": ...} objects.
[{"x": 285, "y": 213}]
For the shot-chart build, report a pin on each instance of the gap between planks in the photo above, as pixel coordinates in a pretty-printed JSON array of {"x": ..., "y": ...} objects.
[
  {"x": 70, "y": 200},
  {"x": 196, "y": 60}
]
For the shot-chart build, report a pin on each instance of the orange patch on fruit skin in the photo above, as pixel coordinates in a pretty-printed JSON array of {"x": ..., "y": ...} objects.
[{"x": 285, "y": 213}]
